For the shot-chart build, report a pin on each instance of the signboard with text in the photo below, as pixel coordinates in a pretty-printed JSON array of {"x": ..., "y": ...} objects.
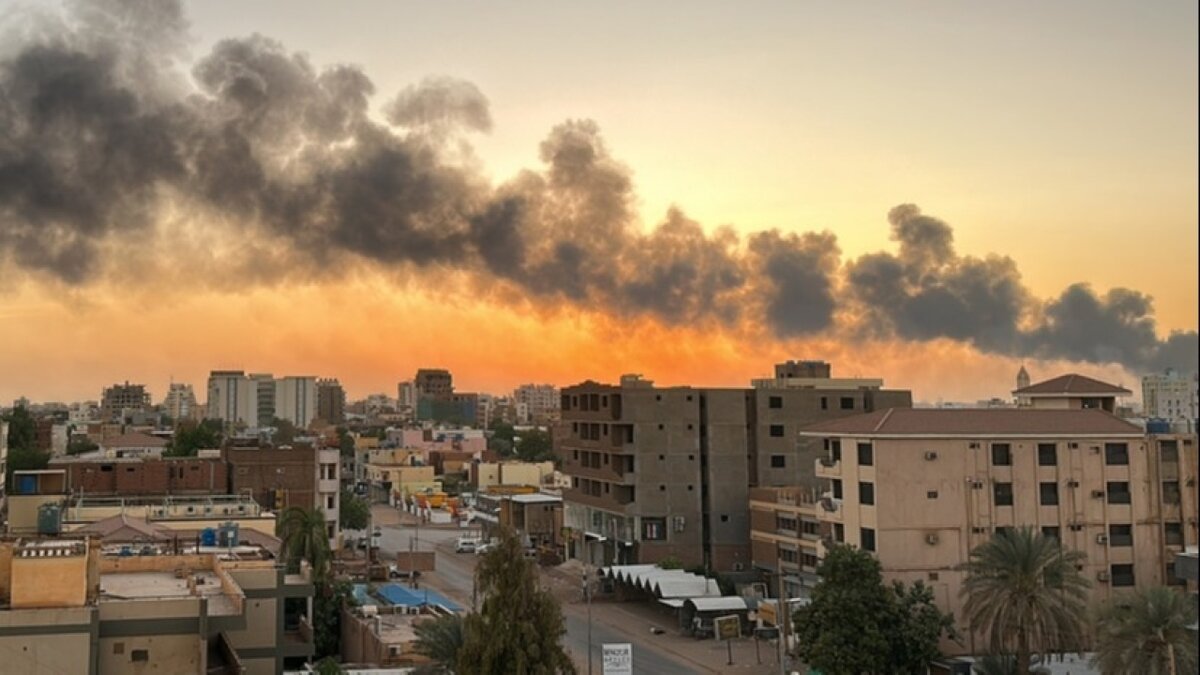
[
  {"x": 727, "y": 627},
  {"x": 617, "y": 659}
]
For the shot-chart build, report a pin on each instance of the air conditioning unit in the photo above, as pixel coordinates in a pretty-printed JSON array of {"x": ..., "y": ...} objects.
[
  {"x": 931, "y": 538},
  {"x": 931, "y": 455},
  {"x": 1072, "y": 445},
  {"x": 1102, "y": 539},
  {"x": 1097, "y": 494},
  {"x": 1072, "y": 483},
  {"x": 1103, "y": 575},
  {"x": 977, "y": 484}
]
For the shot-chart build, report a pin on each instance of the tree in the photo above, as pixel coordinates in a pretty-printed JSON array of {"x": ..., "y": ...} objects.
[
  {"x": 285, "y": 432},
  {"x": 1025, "y": 594},
  {"x": 1147, "y": 632},
  {"x": 534, "y": 446},
  {"x": 855, "y": 624},
  {"x": 345, "y": 442},
  {"x": 519, "y": 626},
  {"x": 670, "y": 563},
  {"x": 354, "y": 513},
  {"x": 80, "y": 445},
  {"x": 189, "y": 437},
  {"x": 22, "y": 430},
  {"x": 329, "y": 598},
  {"x": 440, "y": 639},
  {"x": 304, "y": 537},
  {"x": 328, "y": 666},
  {"x": 501, "y": 439}
]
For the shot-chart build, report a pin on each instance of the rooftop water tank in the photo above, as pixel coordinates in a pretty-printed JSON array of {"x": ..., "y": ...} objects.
[{"x": 49, "y": 519}]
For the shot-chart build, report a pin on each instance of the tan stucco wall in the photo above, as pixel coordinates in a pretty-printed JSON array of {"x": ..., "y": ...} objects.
[
  {"x": 46, "y": 654},
  {"x": 49, "y": 582},
  {"x": 168, "y": 654}
]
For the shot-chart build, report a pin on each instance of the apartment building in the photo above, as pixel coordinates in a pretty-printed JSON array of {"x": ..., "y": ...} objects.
[
  {"x": 921, "y": 488},
  {"x": 1072, "y": 391},
  {"x": 666, "y": 472},
  {"x": 120, "y": 400},
  {"x": 180, "y": 403},
  {"x": 232, "y": 398},
  {"x": 296, "y": 400},
  {"x": 1172, "y": 396},
  {"x": 786, "y": 536},
  {"x": 537, "y": 403},
  {"x": 265, "y": 393},
  {"x": 331, "y": 401},
  {"x": 278, "y": 478},
  {"x": 67, "y": 605}
]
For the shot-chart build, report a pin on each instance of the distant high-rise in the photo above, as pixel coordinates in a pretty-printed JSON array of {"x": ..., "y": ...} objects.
[
  {"x": 296, "y": 400},
  {"x": 331, "y": 401},
  {"x": 802, "y": 370},
  {"x": 232, "y": 398},
  {"x": 120, "y": 400},
  {"x": 407, "y": 394},
  {"x": 539, "y": 403},
  {"x": 1170, "y": 395},
  {"x": 264, "y": 392},
  {"x": 434, "y": 383},
  {"x": 180, "y": 403}
]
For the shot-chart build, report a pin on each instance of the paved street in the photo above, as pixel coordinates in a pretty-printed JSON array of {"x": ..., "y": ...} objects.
[{"x": 611, "y": 622}]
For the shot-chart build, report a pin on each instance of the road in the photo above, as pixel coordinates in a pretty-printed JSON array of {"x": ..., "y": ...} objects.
[{"x": 454, "y": 576}]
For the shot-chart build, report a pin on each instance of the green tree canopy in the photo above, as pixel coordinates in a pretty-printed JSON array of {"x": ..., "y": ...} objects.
[
  {"x": 501, "y": 439},
  {"x": 856, "y": 624},
  {"x": 189, "y": 437},
  {"x": 354, "y": 513},
  {"x": 22, "y": 430},
  {"x": 519, "y": 627},
  {"x": 304, "y": 537},
  {"x": 1145, "y": 631},
  {"x": 81, "y": 444},
  {"x": 534, "y": 445},
  {"x": 285, "y": 432},
  {"x": 329, "y": 597},
  {"x": 440, "y": 639},
  {"x": 1025, "y": 594},
  {"x": 345, "y": 442}
]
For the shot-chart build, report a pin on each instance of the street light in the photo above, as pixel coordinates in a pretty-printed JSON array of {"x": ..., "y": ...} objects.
[{"x": 587, "y": 593}]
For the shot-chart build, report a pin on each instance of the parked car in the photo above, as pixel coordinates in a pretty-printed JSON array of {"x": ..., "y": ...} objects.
[
  {"x": 480, "y": 549},
  {"x": 466, "y": 545}
]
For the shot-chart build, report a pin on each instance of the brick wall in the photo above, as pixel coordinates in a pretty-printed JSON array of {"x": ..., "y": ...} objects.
[
  {"x": 263, "y": 471},
  {"x": 185, "y": 475}
]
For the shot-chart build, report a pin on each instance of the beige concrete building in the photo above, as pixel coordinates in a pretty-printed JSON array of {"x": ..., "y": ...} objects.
[
  {"x": 489, "y": 474},
  {"x": 382, "y": 636},
  {"x": 66, "y": 606},
  {"x": 1072, "y": 391},
  {"x": 786, "y": 536},
  {"x": 537, "y": 517},
  {"x": 666, "y": 472},
  {"x": 921, "y": 488}
]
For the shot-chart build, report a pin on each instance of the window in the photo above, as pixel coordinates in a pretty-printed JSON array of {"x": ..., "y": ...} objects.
[
  {"x": 777, "y": 431},
  {"x": 787, "y": 555},
  {"x": 775, "y": 402},
  {"x": 1118, "y": 492},
  {"x": 1122, "y": 575},
  {"x": 1116, "y": 454},
  {"x": 329, "y": 506},
  {"x": 1052, "y": 532},
  {"x": 654, "y": 529},
  {"x": 824, "y": 403},
  {"x": 778, "y": 461},
  {"x": 866, "y": 493},
  {"x": 785, "y": 523},
  {"x": 1048, "y": 494},
  {"x": 1003, "y": 531},
  {"x": 1172, "y": 579},
  {"x": 1001, "y": 454},
  {"x": 575, "y": 455},
  {"x": 835, "y": 450},
  {"x": 811, "y": 528},
  {"x": 866, "y": 454},
  {"x": 1170, "y": 492},
  {"x": 139, "y": 655},
  {"x": 1003, "y": 494},
  {"x": 932, "y": 494},
  {"x": 1169, "y": 451},
  {"x": 1047, "y": 454},
  {"x": 847, "y": 403},
  {"x": 1120, "y": 535},
  {"x": 839, "y": 532},
  {"x": 1173, "y": 533},
  {"x": 662, "y": 488},
  {"x": 837, "y": 489},
  {"x": 724, "y": 518},
  {"x": 868, "y": 539}
]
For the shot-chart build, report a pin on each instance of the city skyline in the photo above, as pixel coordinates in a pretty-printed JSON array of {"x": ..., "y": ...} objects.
[{"x": 1058, "y": 136}]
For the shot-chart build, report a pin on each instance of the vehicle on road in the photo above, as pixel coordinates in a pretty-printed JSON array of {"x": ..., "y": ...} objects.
[
  {"x": 484, "y": 548},
  {"x": 466, "y": 544}
]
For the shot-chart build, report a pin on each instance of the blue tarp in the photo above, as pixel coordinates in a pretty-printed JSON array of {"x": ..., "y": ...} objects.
[{"x": 396, "y": 594}]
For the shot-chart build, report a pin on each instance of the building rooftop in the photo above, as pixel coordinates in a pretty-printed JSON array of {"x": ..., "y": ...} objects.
[
  {"x": 1072, "y": 383},
  {"x": 135, "y": 440},
  {"x": 964, "y": 422},
  {"x": 166, "y": 585}
]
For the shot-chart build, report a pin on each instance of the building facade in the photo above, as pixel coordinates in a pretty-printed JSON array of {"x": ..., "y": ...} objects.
[
  {"x": 279, "y": 478},
  {"x": 296, "y": 400},
  {"x": 232, "y": 398},
  {"x": 540, "y": 403},
  {"x": 1172, "y": 396},
  {"x": 121, "y": 400},
  {"x": 922, "y": 488},
  {"x": 180, "y": 402},
  {"x": 666, "y": 472},
  {"x": 331, "y": 401}
]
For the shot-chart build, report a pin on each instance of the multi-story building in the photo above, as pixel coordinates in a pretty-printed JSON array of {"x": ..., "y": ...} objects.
[
  {"x": 786, "y": 535},
  {"x": 233, "y": 398},
  {"x": 331, "y": 401},
  {"x": 265, "y": 389},
  {"x": 278, "y": 478},
  {"x": 1072, "y": 392},
  {"x": 180, "y": 402},
  {"x": 541, "y": 403},
  {"x": 67, "y": 606},
  {"x": 433, "y": 383},
  {"x": 666, "y": 472},
  {"x": 1172, "y": 396},
  {"x": 802, "y": 369},
  {"x": 121, "y": 400},
  {"x": 296, "y": 400},
  {"x": 921, "y": 488},
  {"x": 139, "y": 477}
]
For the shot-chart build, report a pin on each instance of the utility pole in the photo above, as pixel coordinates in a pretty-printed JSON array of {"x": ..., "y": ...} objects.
[
  {"x": 780, "y": 618},
  {"x": 587, "y": 594}
]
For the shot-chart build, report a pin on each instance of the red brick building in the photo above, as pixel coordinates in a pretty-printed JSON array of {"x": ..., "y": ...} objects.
[{"x": 149, "y": 476}]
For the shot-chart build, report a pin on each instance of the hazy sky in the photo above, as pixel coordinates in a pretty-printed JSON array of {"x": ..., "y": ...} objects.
[{"x": 1062, "y": 135}]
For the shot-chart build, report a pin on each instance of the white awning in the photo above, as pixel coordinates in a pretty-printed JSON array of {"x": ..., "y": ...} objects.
[
  {"x": 673, "y": 603},
  {"x": 726, "y": 603}
]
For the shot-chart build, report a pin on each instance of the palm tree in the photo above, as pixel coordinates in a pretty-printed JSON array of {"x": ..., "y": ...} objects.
[
  {"x": 440, "y": 639},
  {"x": 304, "y": 537},
  {"x": 1025, "y": 593},
  {"x": 1147, "y": 632}
]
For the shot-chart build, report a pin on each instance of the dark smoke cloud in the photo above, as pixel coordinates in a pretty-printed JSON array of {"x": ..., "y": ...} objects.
[
  {"x": 928, "y": 291},
  {"x": 103, "y": 129}
]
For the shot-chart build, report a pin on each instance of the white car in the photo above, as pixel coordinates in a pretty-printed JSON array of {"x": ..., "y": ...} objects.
[
  {"x": 466, "y": 545},
  {"x": 484, "y": 548}
]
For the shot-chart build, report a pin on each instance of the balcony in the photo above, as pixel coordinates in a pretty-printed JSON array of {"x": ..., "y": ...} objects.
[
  {"x": 828, "y": 468},
  {"x": 297, "y": 639},
  {"x": 605, "y": 502}
]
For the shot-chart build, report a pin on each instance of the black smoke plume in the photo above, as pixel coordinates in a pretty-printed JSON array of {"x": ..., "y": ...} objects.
[{"x": 103, "y": 128}]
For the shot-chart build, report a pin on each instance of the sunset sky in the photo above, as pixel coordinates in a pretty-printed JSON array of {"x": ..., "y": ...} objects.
[{"x": 1061, "y": 135}]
